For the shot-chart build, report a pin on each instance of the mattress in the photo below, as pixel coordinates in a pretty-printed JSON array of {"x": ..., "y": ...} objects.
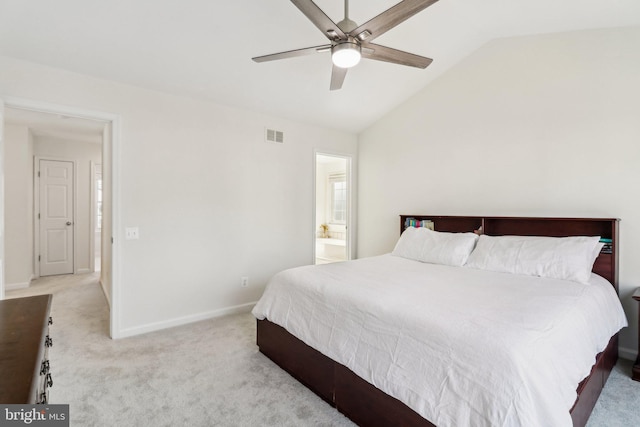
[{"x": 460, "y": 346}]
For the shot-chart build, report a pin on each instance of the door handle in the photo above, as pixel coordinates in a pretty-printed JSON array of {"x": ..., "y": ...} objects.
[{"x": 68, "y": 222}]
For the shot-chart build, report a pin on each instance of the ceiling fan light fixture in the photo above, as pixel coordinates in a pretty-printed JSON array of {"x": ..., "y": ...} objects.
[{"x": 346, "y": 54}]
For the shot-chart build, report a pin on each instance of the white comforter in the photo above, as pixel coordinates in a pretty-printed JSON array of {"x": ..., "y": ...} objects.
[{"x": 461, "y": 347}]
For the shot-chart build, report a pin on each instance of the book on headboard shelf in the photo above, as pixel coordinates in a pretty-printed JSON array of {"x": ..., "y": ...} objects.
[
  {"x": 412, "y": 222},
  {"x": 608, "y": 246}
]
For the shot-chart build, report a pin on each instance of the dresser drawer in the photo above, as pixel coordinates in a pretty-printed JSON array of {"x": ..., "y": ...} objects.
[{"x": 24, "y": 365}]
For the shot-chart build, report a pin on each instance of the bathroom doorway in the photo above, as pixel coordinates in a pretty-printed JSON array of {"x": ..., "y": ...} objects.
[{"x": 333, "y": 206}]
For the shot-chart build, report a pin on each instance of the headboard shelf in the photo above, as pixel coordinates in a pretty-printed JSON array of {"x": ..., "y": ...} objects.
[{"x": 606, "y": 264}]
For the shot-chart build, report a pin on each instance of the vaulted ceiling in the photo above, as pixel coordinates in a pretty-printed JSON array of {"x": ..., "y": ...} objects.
[{"x": 203, "y": 48}]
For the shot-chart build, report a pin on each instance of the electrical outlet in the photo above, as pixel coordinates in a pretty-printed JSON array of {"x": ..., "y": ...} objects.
[{"x": 244, "y": 281}]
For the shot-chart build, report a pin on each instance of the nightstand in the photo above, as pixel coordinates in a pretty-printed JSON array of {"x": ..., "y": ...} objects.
[{"x": 636, "y": 366}]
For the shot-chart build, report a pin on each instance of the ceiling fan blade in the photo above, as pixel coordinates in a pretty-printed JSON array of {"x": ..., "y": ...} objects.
[
  {"x": 388, "y": 54},
  {"x": 389, "y": 19},
  {"x": 319, "y": 19},
  {"x": 293, "y": 53},
  {"x": 337, "y": 77}
]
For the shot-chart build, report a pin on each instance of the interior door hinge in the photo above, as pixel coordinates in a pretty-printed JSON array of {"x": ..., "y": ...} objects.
[
  {"x": 38, "y": 174},
  {"x": 38, "y": 257},
  {"x": 38, "y": 216}
]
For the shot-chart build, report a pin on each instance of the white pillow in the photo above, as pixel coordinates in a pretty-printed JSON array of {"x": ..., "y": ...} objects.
[
  {"x": 568, "y": 258},
  {"x": 422, "y": 244}
]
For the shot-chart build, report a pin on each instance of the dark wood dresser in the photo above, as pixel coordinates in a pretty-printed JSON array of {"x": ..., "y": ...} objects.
[
  {"x": 24, "y": 350},
  {"x": 636, "y": 366}
]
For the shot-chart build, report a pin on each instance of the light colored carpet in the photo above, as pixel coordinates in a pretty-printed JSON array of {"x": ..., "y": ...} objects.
[{"x": 205, "y": 374}]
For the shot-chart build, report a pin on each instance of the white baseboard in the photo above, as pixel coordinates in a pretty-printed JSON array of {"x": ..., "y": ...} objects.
[
  {"x": 83, "y": 271},
  {"x": 627, "y": 353},
  {"x": 14, "y": 286},
  {"x": 151, "y": 327}
]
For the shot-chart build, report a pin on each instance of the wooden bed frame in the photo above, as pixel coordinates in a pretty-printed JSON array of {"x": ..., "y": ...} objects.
[{"x": 368, "y": 406}]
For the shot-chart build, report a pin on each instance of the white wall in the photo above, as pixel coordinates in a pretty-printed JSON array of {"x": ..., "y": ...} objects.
[
  {"x": 18, "y": 206},
  {"x": 212, "y": 200},
  {"x": 83, "y": 153},
  {"x": 531, "y": 126}
]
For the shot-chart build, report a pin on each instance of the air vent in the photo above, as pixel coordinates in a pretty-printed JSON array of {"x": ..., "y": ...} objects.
[{"x": 276, "y": 136}]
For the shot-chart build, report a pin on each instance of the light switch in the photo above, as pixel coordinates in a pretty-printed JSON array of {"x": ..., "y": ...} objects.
[{"x": 131, "y": 233}]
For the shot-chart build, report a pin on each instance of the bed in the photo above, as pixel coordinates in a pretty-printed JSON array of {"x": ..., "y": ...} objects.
[{"x": 419, "y": 372}]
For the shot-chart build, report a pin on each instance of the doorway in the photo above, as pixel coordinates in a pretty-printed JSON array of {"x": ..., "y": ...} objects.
[
  {"x": 110, "y": 142},
  {"x": 64, "y": 150},
  {"x": 332, "y": 208}
]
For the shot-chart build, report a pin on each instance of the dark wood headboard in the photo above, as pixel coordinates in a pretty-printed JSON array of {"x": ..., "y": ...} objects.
[{"x": 606, "y": 264}]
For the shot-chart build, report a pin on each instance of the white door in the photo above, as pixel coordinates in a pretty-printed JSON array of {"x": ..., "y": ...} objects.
[
  {"x": 56, "y": 217},
  {"x": 96, "y": 185}
]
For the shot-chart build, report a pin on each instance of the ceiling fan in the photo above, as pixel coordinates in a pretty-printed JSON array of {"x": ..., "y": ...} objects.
[{"x": 349, "y": 42}]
